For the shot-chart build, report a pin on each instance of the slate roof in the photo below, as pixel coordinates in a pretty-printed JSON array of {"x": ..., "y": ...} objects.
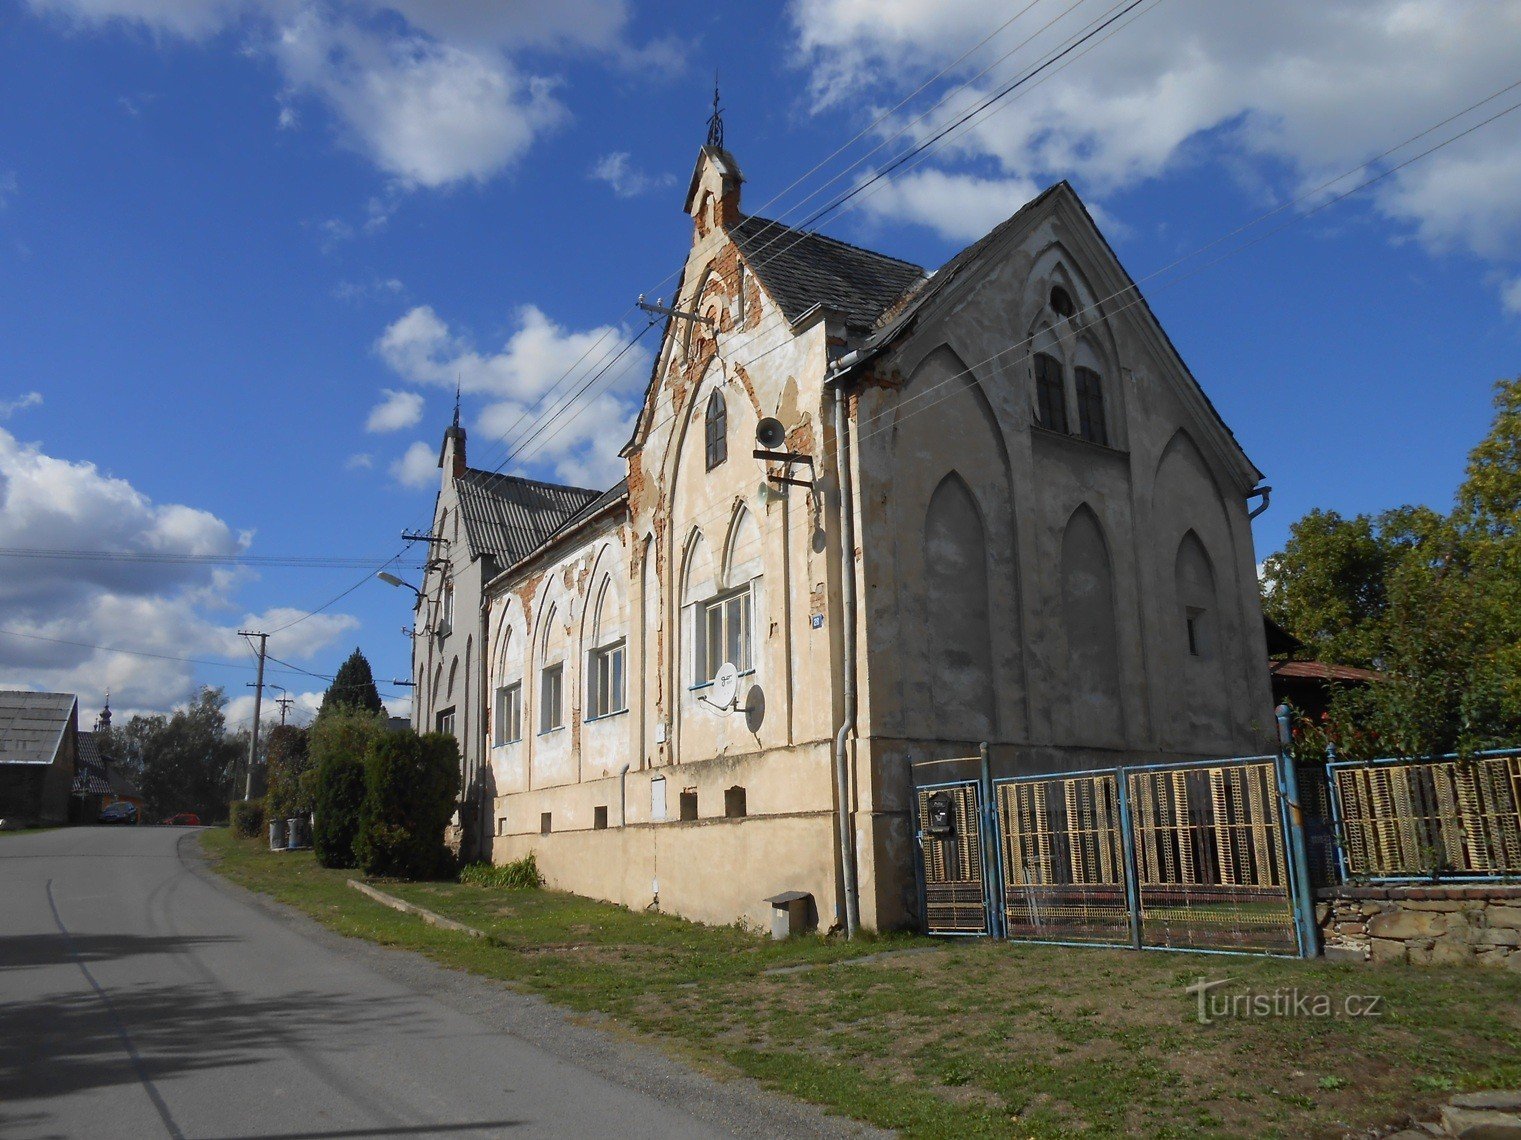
[
  {"x": 611, "y": 495},
  {"x": 507, "y": 516},
  {"x": 801, "y": 270},
  {"x": 32, "y": 725}
]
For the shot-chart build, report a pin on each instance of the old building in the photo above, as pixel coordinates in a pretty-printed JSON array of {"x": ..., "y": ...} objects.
[
  {"x": 482, "y": 521},
  {"x": 39, "y": 735},
  {"x": 1015, "y": 518}
]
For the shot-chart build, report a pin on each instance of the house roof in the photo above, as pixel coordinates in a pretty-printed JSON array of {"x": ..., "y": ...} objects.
[
  {"x": 1322, "y": 671},
  {"x": 32, "y": 725},
  {"x": 613, "y": 494},
  {"x": 803, "y": 270},
  {"x": 96, "y": 775},
  {"x": 507, "y": 516}
]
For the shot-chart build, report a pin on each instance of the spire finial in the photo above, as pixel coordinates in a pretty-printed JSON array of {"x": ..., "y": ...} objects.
[
  {"x": 456, "y": 400},
  {"x": 716, "y": 121}
]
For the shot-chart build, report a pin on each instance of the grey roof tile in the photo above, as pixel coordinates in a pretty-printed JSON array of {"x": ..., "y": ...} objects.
[
  {"x": 800, "y": 269},
  {"x": 507, "y": 516},
  {"x": 32, "y": 725}
]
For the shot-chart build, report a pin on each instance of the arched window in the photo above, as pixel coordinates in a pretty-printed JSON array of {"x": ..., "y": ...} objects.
[
  {"x": 717, "y": 430},
  {"x": 1050, "y": 393},
  {"x": 1090, "y": 406}
]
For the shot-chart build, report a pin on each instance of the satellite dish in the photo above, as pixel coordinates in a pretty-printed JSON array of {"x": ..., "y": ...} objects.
[
  {"x": 725, "y": 686},
  {"x": 770, "y": 433}
]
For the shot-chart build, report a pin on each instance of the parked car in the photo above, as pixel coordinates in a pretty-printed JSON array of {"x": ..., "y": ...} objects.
[
  {"x": 119, "y": 812},
  {"x": 183, "y": 819}
]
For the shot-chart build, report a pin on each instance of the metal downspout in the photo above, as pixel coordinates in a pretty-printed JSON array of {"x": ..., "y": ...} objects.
[{"x": 848, "y": 661}]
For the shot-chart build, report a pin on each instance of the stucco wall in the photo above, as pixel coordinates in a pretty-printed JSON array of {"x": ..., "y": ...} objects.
[{"x": 1016, "y": 584}]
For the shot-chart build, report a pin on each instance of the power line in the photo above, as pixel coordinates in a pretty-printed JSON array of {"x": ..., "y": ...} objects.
[
  {"x": 794, "y": 235},
  {"x": 506, "y": 439},
  {"x": 1133, "y": 290}
]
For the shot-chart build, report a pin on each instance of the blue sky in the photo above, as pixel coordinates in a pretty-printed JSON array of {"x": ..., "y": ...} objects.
[{"x": 247, "y": 245}]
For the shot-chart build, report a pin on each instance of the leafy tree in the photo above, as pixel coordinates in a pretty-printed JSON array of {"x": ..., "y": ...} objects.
[
  {"x": 1432, "y": 601},
  {"x": 353, "y": 688},
  {"x": 288, "y": 767},
  {"x": 411, "y": 785},
  {"x": 186, "y": 761},
  {"x": 336, "y": 746}
]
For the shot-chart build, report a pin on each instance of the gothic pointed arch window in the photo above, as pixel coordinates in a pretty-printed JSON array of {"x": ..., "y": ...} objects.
[
  {"x": 1050, "y": 393},
  {"x": 716, "y": 430}
]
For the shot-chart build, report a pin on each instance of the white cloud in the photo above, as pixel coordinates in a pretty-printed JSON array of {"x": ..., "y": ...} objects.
[
  {"x": 8, "y": 187},
  {"x": 581, "y": 445},
  {"x": 626, "y": 182},
  {"x": 959, "y": 207},
  {"x": 9, "y": 408},
  {"x": 174, "y": 610},
  {"x": 1510, "y": 295},
  {"x": 418, "y": 466},
  {"x": 376, "y": 288},
  {"x": 399, "y": 410},
  {"x": 1295, "y": 91},
  {"x": 361, "y": 461},
  {"x": 431, "y": 93}
]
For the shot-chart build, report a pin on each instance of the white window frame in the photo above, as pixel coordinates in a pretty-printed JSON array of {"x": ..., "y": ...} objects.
[
  {"x": 723, "y": 608},
  {"x": 444, "y": 721},
  {"x": 607, "y": 680},
  {"x": 509, "y": 713},
  {"x": 552, "y": 674}
]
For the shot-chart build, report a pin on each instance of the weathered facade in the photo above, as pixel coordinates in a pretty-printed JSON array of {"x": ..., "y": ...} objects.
[
  {"x": 1026, "y": 525},
  {"x": 482, "y": 521}
]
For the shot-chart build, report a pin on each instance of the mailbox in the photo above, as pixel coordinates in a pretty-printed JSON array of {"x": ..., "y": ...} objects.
[{"x": 940, "y": 817}]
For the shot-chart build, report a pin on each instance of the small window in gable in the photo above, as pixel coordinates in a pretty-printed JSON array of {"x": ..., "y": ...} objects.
[
  {"x": 1090, "y": 406},
  {"x": 1061, "y": 303},
  {"x": 1050, "y": 393},
  {"x": 716, "y": 433}
]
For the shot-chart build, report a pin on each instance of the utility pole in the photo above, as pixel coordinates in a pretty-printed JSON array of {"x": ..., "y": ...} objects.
[
  {"x": 253, "y": 740},
  {"x": 284, "y": 702}
]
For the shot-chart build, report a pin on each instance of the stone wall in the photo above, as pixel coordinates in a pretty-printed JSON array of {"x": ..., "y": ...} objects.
[{"x": 1424, "y": 925}]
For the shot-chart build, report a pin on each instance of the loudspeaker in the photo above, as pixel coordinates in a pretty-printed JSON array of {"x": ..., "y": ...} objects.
[{"x": 770, "y": 434}]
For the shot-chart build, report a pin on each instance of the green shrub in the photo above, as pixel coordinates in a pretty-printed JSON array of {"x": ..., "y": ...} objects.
[
  {"x": 247, "y": 818},
  {"x": 411, "y": 785},
  {"x": 519, "y": 875},
  {"x": 290, "y": 792},
  {"x": 336, "y": 747}
]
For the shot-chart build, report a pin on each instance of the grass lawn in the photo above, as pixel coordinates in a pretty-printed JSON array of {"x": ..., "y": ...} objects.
[{"x": 967, "y": 1037}]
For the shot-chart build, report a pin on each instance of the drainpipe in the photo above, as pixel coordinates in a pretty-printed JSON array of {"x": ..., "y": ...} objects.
[
  {"x": 848, "y": 652},
  {"x": 1267, "y": 497},
  {"x": 623, "y": 796}
]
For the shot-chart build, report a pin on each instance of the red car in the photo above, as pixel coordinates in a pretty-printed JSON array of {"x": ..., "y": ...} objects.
[{"x": 184, "y": 819}]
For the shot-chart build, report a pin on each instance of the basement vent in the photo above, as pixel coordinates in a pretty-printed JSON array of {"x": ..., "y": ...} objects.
[
  {"x": 599, "y": 817},
  {"x": 734, "y": 802},
  {"x": 546, "y": 823}
]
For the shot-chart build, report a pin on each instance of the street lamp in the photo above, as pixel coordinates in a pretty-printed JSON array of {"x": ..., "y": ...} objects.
[{"x": 392, "y": 580}]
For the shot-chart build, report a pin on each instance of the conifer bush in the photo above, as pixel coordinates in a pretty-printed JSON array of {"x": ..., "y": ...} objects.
[
  {"x": 337, "y": 747},
  {"x": 247, "y": 818},
  {"x": 411, "y": 786}
]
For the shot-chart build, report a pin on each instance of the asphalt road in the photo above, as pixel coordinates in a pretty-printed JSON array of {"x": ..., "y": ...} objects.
[{"x": 140, "y": 996}]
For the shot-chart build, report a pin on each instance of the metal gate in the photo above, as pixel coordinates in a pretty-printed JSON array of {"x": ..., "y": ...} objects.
[
  {"x": 1188, "y": 856},
  {"x": 953, "y": 858}
]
